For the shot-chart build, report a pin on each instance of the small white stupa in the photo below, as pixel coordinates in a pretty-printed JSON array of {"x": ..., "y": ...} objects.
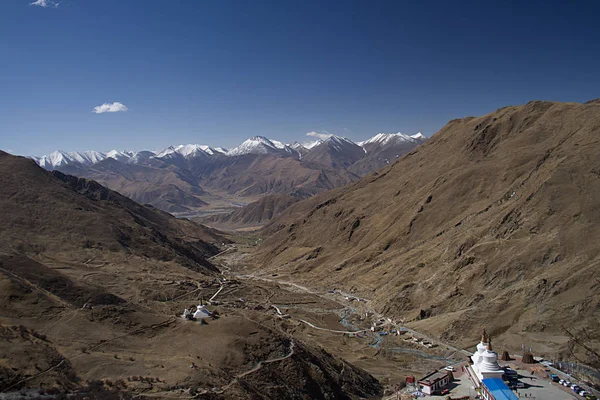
[
  {"x": 477, "y": 357},
  {"x": 485, "y": 360},
  {"x": 186, "y": 313},
  {"x": 201, "y": 312}
]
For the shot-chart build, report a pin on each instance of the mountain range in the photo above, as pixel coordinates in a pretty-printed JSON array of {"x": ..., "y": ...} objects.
[
  {"x": 188, "y": 178},
  {"x": 253, "y": 145}
]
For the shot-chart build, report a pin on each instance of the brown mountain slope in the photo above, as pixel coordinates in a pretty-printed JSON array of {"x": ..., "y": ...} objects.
[
  {"x": 335, "y": 152},
  {"x": 378, "y": 156},
  {"x": 254, "y": 174},
  {"x": 46, "y": 212},
  {"x": 494, "y": 221},
  {"x": 256, "y": 213},
  {"x": 91, "y": 287},
  {"x": 166, "y": 187}
]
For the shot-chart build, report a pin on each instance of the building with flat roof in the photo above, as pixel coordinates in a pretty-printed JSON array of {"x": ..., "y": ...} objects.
[
  {"x": 496, "y": 389},
  {"x": 434, "y": 382}
]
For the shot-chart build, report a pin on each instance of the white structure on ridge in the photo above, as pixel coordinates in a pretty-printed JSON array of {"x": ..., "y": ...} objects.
[
  {"x": 485, "y": 360},
  {"x": 201, "y": 312}
]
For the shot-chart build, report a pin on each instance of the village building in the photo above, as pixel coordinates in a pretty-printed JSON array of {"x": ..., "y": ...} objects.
[{"x": 434, "y": 382}]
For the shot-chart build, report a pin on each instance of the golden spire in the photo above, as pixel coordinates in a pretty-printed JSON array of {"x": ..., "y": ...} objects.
[
  {"x": 489, "y": 345},
  {"x": 483, "y": 336}
]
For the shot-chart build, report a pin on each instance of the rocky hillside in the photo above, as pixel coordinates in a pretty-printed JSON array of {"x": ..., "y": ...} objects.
[
  {"x": 50, "y": 212},
  {"x": 495, "y": 222},
  {"x": 170, "y": 188},
  {"x": 256, "y": 213},
  {"x": 91, "y": 288}
]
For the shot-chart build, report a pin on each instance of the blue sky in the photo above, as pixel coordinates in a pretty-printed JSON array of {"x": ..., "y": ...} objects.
[{"x": 217, "y": 72}]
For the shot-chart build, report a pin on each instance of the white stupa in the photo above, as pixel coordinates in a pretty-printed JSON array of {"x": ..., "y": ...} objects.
[
  {"x": 201, "y": 312},
  {"x": 485, "y": 360},
  {"x": 477, "y": 357}
]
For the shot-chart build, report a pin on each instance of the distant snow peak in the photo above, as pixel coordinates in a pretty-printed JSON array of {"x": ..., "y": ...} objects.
[
  {"x": 298, "y": 146},
  {"x": 186, "y": 151},
  {"x": 313, "y": 144},
  {"x": 209, "y": 150},
  {"x": 382, "y": 139},
  {"x": 258, "y": 145},
  {"x": 339, "y": 143},
  {"x": 122, "y": 156},
  {"x": 166, "y": 152},
  {"x": 252, "y": 145},
  {"x": 61, "y": 158},
  {"x": 278, "y": 144}
]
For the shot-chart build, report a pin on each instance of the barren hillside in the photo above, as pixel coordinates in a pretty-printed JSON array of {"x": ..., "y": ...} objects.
[
  {"x": 256, "y": 213},
  {"x": 92, "y": 285},
  {"x": 495, "y": 222}
]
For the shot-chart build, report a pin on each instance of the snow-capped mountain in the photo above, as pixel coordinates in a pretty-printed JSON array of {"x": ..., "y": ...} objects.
[
  {"x": 312, "y": 144},
  {"x": 385, "y": 148},
  {"x": 184, "y": 150},
  {"x": 335, "y": 150},
  {"x": 179, "y": 177},
  {"x": 382, "y": 139},
  {"x": 260, "y": 145},
  {"x": 129, "y": 157},
  {"x": 61, "y": 158}
]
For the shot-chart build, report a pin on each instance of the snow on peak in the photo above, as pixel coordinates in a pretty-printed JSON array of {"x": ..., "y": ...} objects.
[
  {"x": 298, "y": 146},
  {"x": 166, "y": 152},
  {"x": 279, "y": 144},
  {"x": 61, "y": 158},
  {"x": 55, "y": 159},
  {"x": 339, "y": 143},
  {"x": 382, "y": 139},
  {"x": 254, "y": 145},
  {"x": 209, "y": 150},
  {"x": 93, "y": 157},
  {"x": 313, "y": 144},
  {"x": 338, "y": 139},
  {"x": 186, "y": 151},
  {"x": 191, "y": 150},
  {"x": 122, "y": 156}
]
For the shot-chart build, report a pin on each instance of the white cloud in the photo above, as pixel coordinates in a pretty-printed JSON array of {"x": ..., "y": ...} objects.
[
  {"x": 110, "y": 107},
  {"x": 321, "y": 136},
  {"x": 45, "y": 3}
]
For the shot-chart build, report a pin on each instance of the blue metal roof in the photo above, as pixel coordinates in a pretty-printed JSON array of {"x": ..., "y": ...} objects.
[{"x": 498, "y": 389}]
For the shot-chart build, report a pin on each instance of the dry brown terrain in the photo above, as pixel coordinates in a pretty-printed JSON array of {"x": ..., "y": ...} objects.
[
  {"x": 494, "y": 221},
  {"x": 170, "y": 189},
  {"x": 91, "y": 288},
  {"x": 254, "y": 214}
]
